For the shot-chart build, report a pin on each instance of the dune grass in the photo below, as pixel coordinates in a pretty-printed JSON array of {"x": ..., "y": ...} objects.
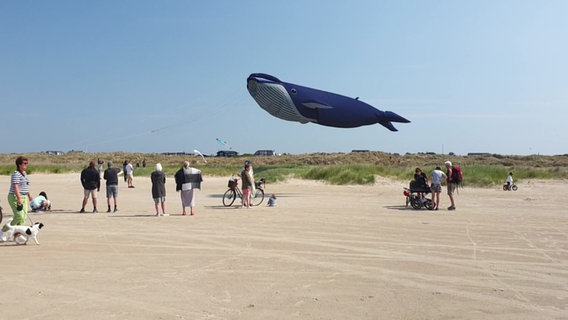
[{"x": 340, "y": 168}]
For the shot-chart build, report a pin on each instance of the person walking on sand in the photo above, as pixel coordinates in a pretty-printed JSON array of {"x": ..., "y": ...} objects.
[
  {"x": 19, "y": 195},
  {"x": 187, "y": 180},
  {"x": 158, "y": 178},
  {"x": 451, "y": 186},
  {"x": 111, "y": 176},
  {"x": 436, "y": 176},
  {"x": 91, "y": 181}
]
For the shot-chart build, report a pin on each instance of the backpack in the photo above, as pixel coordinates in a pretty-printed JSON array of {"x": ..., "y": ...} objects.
[{"x": 457, "y": 177}]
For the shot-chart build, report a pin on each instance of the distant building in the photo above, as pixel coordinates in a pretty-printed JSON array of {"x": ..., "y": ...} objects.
[
  {"x": 57, "y": 153},
  {"x": 360, "y": 151},
  {"x": 174, "y": 153},
  {"x": 486, "y": 154},
  {"x": 264, "y": 153},
  {"x": 227, "y": 153}
]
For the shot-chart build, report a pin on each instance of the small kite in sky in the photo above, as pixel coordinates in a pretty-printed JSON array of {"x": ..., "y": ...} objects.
[
  {"x": 223, "y": 143},
  {"x": 292, "y": 102}
]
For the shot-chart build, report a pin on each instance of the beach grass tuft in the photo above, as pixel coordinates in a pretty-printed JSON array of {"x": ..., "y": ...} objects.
[{"x": 335, "y": 168}]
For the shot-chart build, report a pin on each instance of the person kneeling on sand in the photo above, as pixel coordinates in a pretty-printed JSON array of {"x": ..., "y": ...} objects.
[
  {"x": 272, "y": 201},
  {"x": 40, "y": 203}
]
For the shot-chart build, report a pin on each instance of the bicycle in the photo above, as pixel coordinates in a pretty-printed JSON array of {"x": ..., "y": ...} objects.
[
  {"x": 231, "y": 194},
  {"x": 507, "y": 187}
]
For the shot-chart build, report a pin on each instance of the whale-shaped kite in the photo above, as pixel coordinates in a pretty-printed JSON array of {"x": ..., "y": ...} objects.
[{"x": 292, "y": 102}]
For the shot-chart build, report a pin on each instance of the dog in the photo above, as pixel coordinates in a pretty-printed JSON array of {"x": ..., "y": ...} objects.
[{"x": 20, "y": 234}]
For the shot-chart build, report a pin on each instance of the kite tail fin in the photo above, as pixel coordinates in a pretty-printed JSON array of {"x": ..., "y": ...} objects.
[{"x": 388, "y": 116}]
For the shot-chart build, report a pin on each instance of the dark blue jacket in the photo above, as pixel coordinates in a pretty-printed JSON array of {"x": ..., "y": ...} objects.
[{"x": 91, "y": 179}]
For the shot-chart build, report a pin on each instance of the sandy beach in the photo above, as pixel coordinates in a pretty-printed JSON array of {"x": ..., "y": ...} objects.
[{"x": 324, "y": 252}]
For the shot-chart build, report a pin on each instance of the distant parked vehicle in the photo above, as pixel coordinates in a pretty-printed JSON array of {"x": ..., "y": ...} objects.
[{"x": 227, "y": 153}]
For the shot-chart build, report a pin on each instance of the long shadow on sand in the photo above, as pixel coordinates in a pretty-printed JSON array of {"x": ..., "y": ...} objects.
[{"x": 409, "y": 209}]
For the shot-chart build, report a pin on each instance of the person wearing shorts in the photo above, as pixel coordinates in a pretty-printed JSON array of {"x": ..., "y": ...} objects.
[
  {"x": 247, "y": 179},
  {"x": 91, "y": 181},
  {"x": 451, "y": 186},
  {"x": 129, "y": 173},
  {"x": 436, "y": 176},
  {"x": 40, "y": 203},
  {"x": 111, "y": 176},
  {"x": 158, "y": 179}
]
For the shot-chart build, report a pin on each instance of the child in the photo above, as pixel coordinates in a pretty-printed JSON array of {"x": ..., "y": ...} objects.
[
  {"x": 272, "y": 201},
  {"x": 40, "y": 203}
]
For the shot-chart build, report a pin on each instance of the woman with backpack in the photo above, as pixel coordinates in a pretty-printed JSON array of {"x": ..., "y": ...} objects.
[{"x": 454, "y": 179}]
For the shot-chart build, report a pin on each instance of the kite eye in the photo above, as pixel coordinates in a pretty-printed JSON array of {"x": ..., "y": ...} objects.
[
  {"x": 252, "y": 86},
  {"x": 293, "y": 91}
]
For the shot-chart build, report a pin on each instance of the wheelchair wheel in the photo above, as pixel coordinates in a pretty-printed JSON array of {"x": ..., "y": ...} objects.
[
  {"x": 429, "y": 204},
  {"x": 229, "y": 197},
  {"x": 415, "y": 202}
]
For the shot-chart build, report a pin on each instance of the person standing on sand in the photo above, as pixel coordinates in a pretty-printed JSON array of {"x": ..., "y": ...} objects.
[
  {"x": 124, "y": 170},
  {"x": 158, "y": 178},
  {"x": 100, "y": 165},
  {"x": 247, "y": 179},
  {"x": 437, "y": 176},
  {"x": 187, "y": 180},
  {"x": 91, "y": 181},
  {"x": 451, "y": 185},
  {"x": 111, "y": 176},
  {"x": 19, "y": 195},
  {"x": 129, "y": 172}
]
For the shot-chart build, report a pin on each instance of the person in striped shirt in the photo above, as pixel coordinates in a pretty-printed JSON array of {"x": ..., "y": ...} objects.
[{"x": 19, "y": 195}]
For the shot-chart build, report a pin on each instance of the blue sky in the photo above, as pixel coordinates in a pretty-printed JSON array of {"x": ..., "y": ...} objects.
[{"x": 164, "y": 76}]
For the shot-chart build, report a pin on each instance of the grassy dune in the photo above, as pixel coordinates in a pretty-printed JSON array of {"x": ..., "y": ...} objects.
[{"x": 335, "y": 168}]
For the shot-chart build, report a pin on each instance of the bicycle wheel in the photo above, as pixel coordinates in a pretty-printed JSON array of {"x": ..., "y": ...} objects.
[
  {"x": 257, "y": 197},
  {"x": 229, "y": 197},
  {"x": 514, "y": 188}
]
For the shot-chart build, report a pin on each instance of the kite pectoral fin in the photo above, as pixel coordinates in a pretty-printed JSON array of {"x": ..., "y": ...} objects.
[
  {"x": 316, "y": 105},
  {"x": 388, "y": 125}
]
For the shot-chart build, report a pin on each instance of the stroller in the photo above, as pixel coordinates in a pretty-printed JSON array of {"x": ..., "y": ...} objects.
[{"x": 416, "y": 197}]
